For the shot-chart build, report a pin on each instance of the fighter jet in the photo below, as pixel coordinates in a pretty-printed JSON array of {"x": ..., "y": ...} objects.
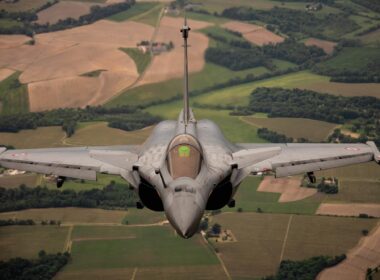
[{"x": 187, "y": 166}]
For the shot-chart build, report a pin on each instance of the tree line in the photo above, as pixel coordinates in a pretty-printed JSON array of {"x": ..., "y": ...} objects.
[
  {"x": 298, "y": 103},
  {"x": 29, "y": 26},
  {"x": 112, "y": 196},
  {"x": 240, "y": 55},
  {"x": 305, "y": 269},
  {"x": 123, "y": 117},
  {"x": 290, "y": 21},
  {"x": 45, "y": 267},
  {"x": 363, "y": 113}
]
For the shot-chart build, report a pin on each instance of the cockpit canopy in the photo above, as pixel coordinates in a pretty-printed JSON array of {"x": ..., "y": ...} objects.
[{"x": 184, "y": 157}]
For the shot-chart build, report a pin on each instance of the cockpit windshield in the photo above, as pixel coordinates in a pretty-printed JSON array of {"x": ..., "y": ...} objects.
[{"x": 184, "y": 157}]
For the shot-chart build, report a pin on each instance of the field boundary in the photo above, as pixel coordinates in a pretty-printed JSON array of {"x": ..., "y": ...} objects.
[{"x": 285, "y": 238}]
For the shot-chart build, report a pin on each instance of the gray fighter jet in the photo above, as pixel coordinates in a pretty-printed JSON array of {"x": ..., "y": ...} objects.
[{"x": 187, "y": 166}]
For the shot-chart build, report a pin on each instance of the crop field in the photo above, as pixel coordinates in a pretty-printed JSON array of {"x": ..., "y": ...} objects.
[
  {"x": 63, "y": 10},
  {"x": 353, "y": 58},
  {"x": 27, "y": 241},
  {"x": 141, "y": 60},
  {"x": 31, "y": 138},
  {"x": 367, "y": 171},
  {"x": 239, "y": 95},
  {"x": 255, "y": 34},
  {"x": 135, "y": 12},
  {"x": 97, "y": 133},
  {"x": 150, "y": 17},
  {"x": 371, "y": 38},
  {"x": 22, "y": 5},
  {"x": 13, "y": 96},
  {"x": 219, "y": 6},
  {"x": 249, "y": 199},
  {"x": 232, "y": 127},
  {"x": 313, "y": 130},
  {"x": 327, "y": 46},
  {"x": 357, "y": 191},
  {"x": 264, "y": 241},
  {"x": 69, "y": 215},
  {"x": 162, "y": 67},
  {"x": 143, "y": 216},
  {"x": 137, "y": 248},
  {"x": 210, "y": 75},
  {"x": 28, "y": 179}
]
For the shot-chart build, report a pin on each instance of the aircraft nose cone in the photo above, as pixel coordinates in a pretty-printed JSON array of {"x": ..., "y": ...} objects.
[{"x": 185, "y": 215}]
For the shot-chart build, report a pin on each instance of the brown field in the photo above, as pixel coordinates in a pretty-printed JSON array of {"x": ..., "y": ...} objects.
[
  {"x": 365, "y": 255},
  {"x": 349, "y": 209},
  {"x": 256, "y": 34},
  {"x": 27, "y": 241},
  {"x": 372, "y": 37},
  {"x": 77, "y": 60},
  {"x": 5, "y": 73},
  {"x": 28, "y": 179},
  {"x": 162, "y": 67},
  {"x": 290, "y": 188},
  {"x": 31, "y": 138},
  {"x": 63, "y": 10},
  {"x": 327, "y": 46},
  {"x": 21, "y": 5},
  {"x": 52, "y": 66},
  {"x": 21, "y": 56},
  {"x": 11, "y": 41},
  {"x": 69, "y": 215},
  {"x": 365, "y": 89},
  {"x": 364, "y": 171},
  {"x": 103, "y": 32},
  {"x": 264, "y": 239},
  {"x": 295, "y": 127},
  {"x": 356, "y": 191}
]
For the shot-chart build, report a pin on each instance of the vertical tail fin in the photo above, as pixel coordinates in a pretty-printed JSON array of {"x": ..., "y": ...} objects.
[{"x": 186, "y": 111}]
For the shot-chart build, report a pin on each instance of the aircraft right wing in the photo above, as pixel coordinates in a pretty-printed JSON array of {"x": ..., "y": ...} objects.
[{"x": 302, "y": 158}]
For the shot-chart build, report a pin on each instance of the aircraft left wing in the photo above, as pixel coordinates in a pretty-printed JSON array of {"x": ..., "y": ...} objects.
[
  {"x": 300, "y": 158},
  {"x": 80, "y": 163}
]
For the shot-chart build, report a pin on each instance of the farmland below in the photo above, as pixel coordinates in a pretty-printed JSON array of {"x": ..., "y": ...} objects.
[{"x": 294, "y": 70}]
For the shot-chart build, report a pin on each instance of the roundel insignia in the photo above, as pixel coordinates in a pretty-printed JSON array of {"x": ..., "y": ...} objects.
[{"x": 352, "y": 149}]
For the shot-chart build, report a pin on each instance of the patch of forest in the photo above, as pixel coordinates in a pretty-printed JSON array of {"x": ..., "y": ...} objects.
[
  {"x": 45, "y": 267},
  {"x": 291, "y": 21},
  {"x": 112, "y": 196}
]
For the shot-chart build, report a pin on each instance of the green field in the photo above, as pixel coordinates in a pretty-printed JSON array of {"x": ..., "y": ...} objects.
[
  {"x": 210, "y": 75},
  {"x": 140, "y": 247},
  {"x": 232, "y": 127},
  {"x": 313, "y": 130},
  {"x": 141, "y": 59},
  {"x": 143, "y": 216},
  {"x": 261, "y": 237},
  {"x": 249, "y": 199},
  {"x": 68, "y": 215},
  {"x": 239, "y": 95},
  {"x": 13, "y": 96},
  {"x": 8, "y": 23},
  {"x": 90, "y": 134},
  {"x": 149, "y": 17},
  {"x": 353, "y": 58},
  {"x": 27, "y": 241},
  {"x": 135, "y": 11},
  {"x": 219, "y": 5}
]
